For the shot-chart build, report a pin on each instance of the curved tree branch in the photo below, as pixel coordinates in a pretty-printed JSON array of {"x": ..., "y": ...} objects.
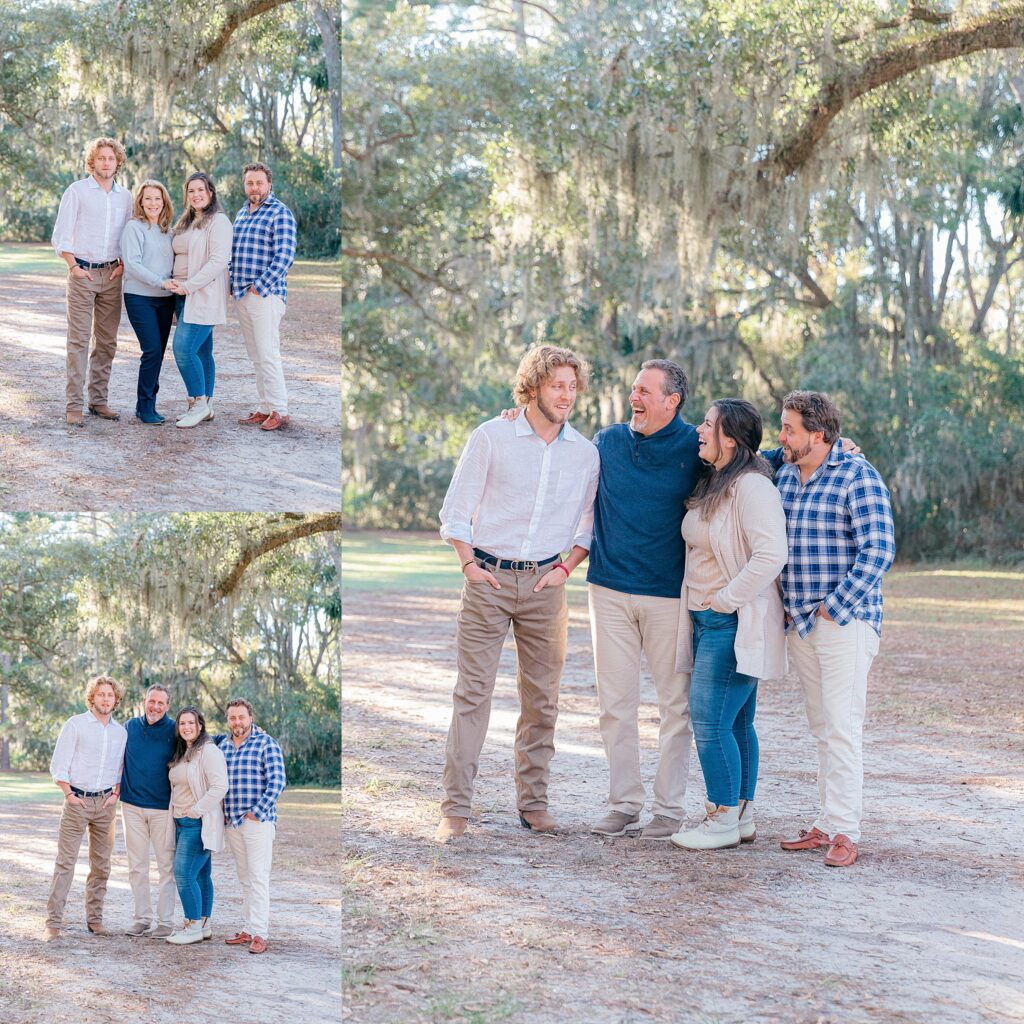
[
  {"x": 1001, "y": 31},
  {"x": 228, "y": 583},
  {"x": 237, "y": 16}
]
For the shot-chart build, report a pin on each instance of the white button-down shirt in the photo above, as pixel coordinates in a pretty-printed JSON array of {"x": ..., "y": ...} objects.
[
  {"x": 90, "y": 221},
  {"x": 89, "y": 754},
  {"x": 516, "y": 497}
]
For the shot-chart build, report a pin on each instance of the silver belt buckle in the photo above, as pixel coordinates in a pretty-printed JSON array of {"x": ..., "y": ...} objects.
[{"x": 526, "y": 566}]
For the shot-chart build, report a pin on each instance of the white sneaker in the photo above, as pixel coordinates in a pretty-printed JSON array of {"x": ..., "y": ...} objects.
[
  {"x": 207, "y": 928},
  {"x": 195, "y": 415},
  {"x": 209, "y": 409},
  {"x": 191, "y": 932},
  {"x": 718, "y": 831},
  {"x": 748, "y": 832}
]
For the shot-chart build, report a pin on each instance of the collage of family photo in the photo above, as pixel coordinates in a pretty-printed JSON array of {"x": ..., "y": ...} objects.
[{"x": 170, "y": 511}]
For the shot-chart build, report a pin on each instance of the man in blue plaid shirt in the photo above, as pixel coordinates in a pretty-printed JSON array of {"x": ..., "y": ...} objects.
[
  {"x": 255, "y": 781},
  {"x": 841, "y": 543},
  {"x": 262, "y": 250}
]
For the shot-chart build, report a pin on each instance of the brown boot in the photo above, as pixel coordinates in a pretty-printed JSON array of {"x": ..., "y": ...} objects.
[
  {"x": 75, "y": 418},
  {"x": 49, "y": 934},
  {"x": 104, "y": 412},
  {"x": 538, "y": 821},
  {"x": 450, "y": 828}
]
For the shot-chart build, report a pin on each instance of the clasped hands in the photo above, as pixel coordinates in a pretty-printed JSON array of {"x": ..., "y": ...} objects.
[{"x": 174, "y": 286}]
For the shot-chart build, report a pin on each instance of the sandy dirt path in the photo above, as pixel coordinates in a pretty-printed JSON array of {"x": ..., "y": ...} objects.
[
  {"x": 218, "y": 466},
  {"x": 111, "y": 980},
  {"x": 928, "y": 926}
]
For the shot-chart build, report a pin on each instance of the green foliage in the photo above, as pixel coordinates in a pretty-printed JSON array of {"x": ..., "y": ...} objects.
[{"x": 210, "y": 605}]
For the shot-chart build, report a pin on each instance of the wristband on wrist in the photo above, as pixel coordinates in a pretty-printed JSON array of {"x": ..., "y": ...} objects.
[
  {"x": 563, "y": 568},
  {"x": 469, "y": 561}
]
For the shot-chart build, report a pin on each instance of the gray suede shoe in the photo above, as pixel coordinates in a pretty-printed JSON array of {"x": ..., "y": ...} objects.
[
  {"x": 660, "y": 827},
  {"x": 616, "y": 823},
  {"x": 137, "y": 928}
]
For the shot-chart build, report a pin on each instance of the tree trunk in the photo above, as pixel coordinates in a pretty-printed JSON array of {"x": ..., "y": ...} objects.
[{"x": 332, "y": 58}]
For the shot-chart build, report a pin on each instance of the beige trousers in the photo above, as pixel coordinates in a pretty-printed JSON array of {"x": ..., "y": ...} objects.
[
  {"x": 75, "y": 820},
  {"x": 146, "y": 828},
  {"x": 260, "y": 316},
  {"x": 539, "y": 624},
  {"x": 625, "y": 627},
  {"x": 833, "y": 663},
  {"x": 94, "y": 312},
  {"x": 252, "y": 846}
]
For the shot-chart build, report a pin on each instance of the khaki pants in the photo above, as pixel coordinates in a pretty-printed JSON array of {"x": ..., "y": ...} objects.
[
  {"x": 539, "y": 624},
  {"x": 75, "y": 820},
  {"x": 252, "y": 846},
  {"x": 145, "y": 827},
  {"x": 624, "y": 627},
  {"x": 259, "y": 316},
  {"x": 94, "y": 312},
  {"x": 833, "y": 662}
]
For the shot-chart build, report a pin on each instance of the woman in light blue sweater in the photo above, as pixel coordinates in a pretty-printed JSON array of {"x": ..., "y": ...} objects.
[{"x": 148, "y": 262}]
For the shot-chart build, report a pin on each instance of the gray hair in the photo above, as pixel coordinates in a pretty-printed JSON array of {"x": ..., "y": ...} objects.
[
  {"x": 159, "y": 686},
  {"x": 676, "y": 381}
]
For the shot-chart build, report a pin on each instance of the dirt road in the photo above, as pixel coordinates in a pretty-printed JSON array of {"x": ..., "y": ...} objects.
[
  {"x": 505, "y": 926},
  {"x": 218, "y": 466},
  {"x": 83, "y": 977}
]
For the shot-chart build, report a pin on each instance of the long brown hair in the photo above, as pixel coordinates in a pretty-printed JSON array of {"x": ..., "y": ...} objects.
[
  {"x": 181, "y": 748},
  {"x": 189, "y": 218},
  {"x": 740, "y": 422}
]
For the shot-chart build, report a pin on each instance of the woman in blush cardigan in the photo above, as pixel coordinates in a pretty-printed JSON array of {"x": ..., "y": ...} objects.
[
  {"x": 148, "y": 260},
  {"x": 733, "y": 634},
  {"x": 202, "y": 251},
  {"x": 199, "y": 782}
]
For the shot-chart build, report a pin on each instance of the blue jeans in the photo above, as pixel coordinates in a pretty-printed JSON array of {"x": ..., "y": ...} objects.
[
  {"x": 193, "y": 352},
  {"x": 722, "y": 705},
  {"x": 193, "y": 869},
  {"x": 150, "y": 317}
]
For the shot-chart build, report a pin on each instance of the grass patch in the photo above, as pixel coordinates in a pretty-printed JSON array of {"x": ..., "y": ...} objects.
[
  {"x": 376, "y": 560},
  {"x": 28, "y": 787},
  {"x": 30, "y": 258}
]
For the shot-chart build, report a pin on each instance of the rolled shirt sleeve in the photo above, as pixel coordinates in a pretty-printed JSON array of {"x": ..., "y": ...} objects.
[
  {"x": 63, "y": 237},
  {"x": 285, "y": 231},
  {"x": 872, "y": 527},
  {"x": 63, "y": 752},
  {"x": 273, "y": 767},
  {"x": 584, "y": 535},
  {"x": 466, "y": 489}
]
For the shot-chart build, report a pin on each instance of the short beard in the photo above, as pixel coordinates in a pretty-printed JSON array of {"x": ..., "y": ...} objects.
[
  {"x": 551, "y": 415},
  {"x": 795, "y": 456}
]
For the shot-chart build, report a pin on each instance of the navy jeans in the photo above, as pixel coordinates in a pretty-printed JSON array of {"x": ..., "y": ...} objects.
[
  {"x": 193, "y": 352},
  {"x": 151, "y": 317},
  {"x": 722, "y": 705},
  {"x": 193, "y": 869}
]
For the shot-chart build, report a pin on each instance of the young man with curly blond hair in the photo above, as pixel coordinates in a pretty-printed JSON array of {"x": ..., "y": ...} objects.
[
  {"x": 86, "y": 765},
  {"x": 521, "y": 496},
  {"x": 87, "y": 236}
]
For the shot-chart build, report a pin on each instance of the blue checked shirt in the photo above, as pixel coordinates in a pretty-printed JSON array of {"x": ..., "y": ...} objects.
[
  {"x": 255, "y": 777},
  {"x": 841, "y": 541},
  {"x": 263, "y": 248}
]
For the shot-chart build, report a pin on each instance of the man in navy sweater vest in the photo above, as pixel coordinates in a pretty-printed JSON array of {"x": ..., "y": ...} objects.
[
  {"x": 648, "y": 468},
  {"x": 145, "y": 799}
]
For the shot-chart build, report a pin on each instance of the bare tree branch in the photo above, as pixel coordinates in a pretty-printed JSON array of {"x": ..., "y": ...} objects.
[
  {"x": 1000, "y": 31},
  {"x": 236, "y": 18}
]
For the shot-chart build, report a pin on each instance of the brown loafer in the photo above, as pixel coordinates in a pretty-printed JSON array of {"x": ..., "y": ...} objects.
[
  {"x": 96, "y": 927},
  {"x": 239, "y": 939},
  {"x": 75, "y": 419},
  {"x": 258, "y": 945},
  {"x": 255, "y": 417},
  {"x": 813, "y": 839},
  {"x": 538, "y": 821},
  {"x": 104, "y": 412},
  {"x": 274, "y": 421},
  {"x": 49, "y": 934},
  {"x": 450, "y": 828},
  {"x": 842, "y": 853}
]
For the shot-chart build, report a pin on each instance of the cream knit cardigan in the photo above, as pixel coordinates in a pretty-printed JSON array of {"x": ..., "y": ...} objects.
[
  {"x": 748, "y": 539},
  {"x": 208, "y": 780}
]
